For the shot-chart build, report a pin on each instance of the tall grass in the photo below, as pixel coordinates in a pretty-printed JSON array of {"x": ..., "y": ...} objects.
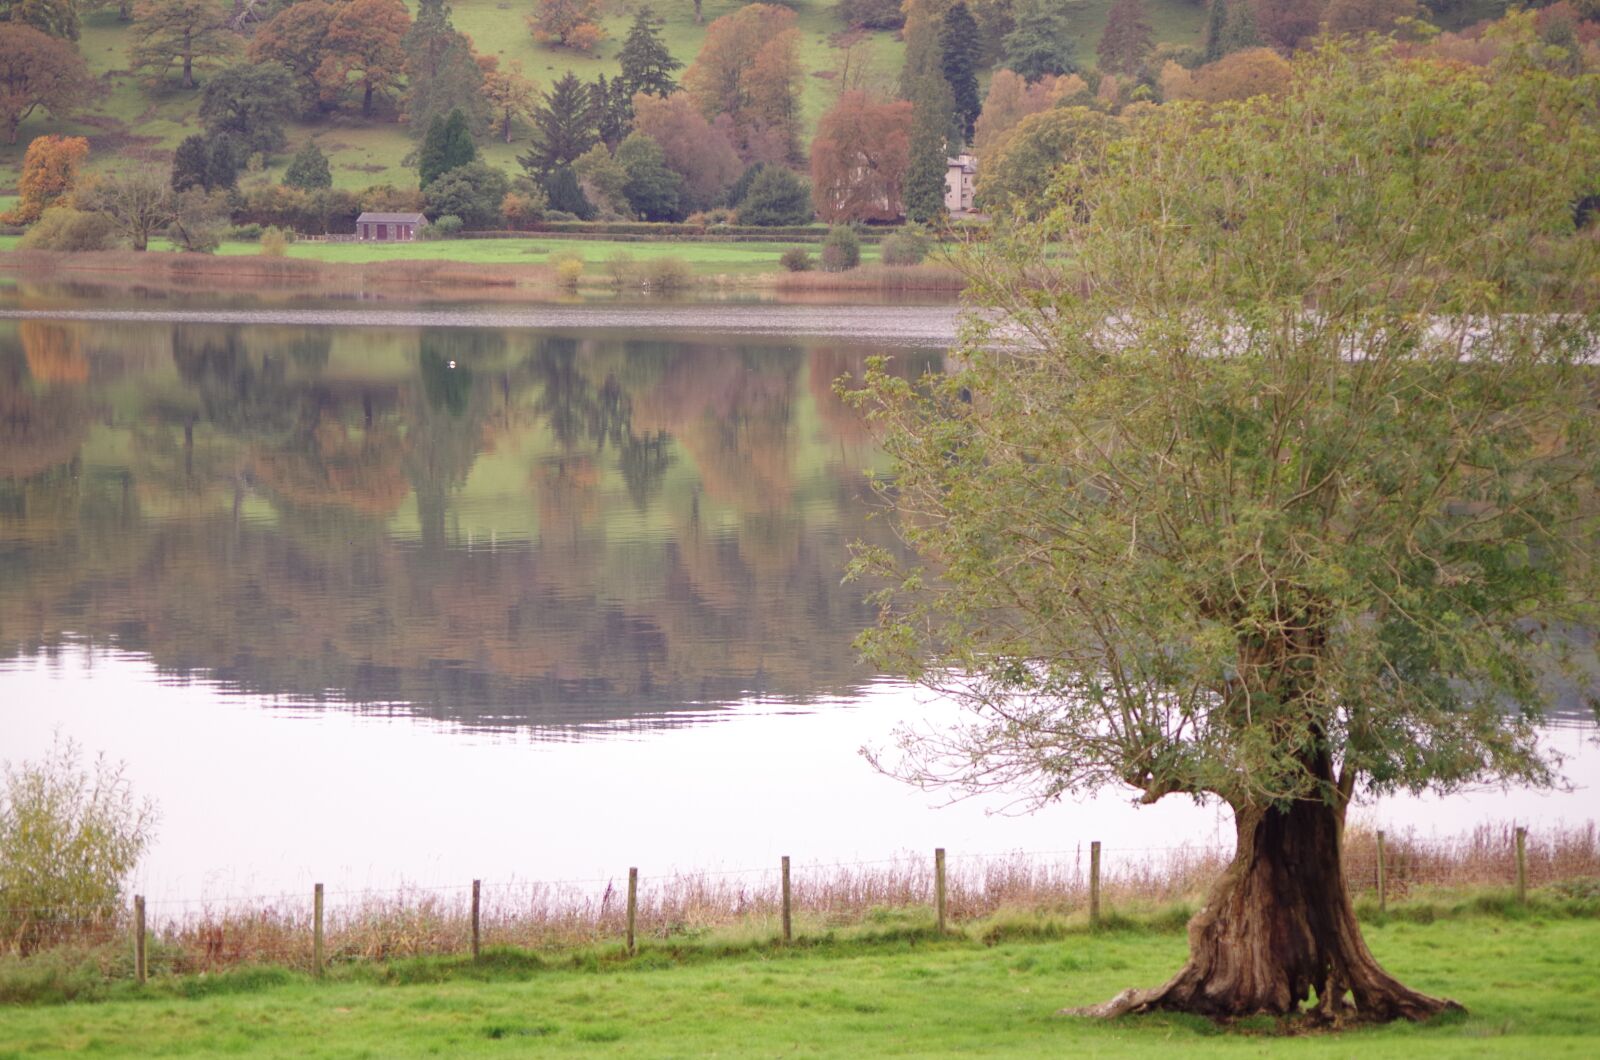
[
  {"x": 240, "y": 271},
  {"x": 876, "y": 278}
]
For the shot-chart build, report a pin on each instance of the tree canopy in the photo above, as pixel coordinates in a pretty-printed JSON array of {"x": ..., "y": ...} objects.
[
  {"x": 37, "y": 70},
  {"x": 1270, "y": 485}
]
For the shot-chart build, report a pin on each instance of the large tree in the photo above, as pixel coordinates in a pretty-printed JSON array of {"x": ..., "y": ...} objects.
[
  {"x": 181, "y": 33},
  {"x": 447, "y": 145},
  {"x": 49, "y": 174},
  {"x": 1127, "y": 39},
  {"x": 249, "y": 102},
  {"x": 510, "y": 94},
  {"x": 647, "y": 65},
  {"x": 572, "y": 24},
  {"x": 931, "y": 106},
  {"x": 295, "y": 39},
  {"x": 37, "y": 70},
  {"x": 563, "y": 128},
  {"x": 58, "y": 18},
  {"x": 749, "y": 69},
  {"x": 139, "y": 201},
  {"x": 442, "y": 73},
  {"x": 693, "y": 148},
  {"x": 1041, "y": 40},
  {"x": 1268, "y": 486},
  {"x": 362, "y": 51},
  {"x": 859, "y": 159},
  {"x": 960, "y": 56}
]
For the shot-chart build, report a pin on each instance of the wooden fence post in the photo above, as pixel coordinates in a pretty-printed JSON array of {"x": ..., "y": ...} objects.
[
  {"x": 476, "y": 907},
  {"x": 788, "y": 922},
  {"x": 140, "y": 970},
  {"x": 1094, "y": 884},
  {"x": 938, "y": 888},
  {"x": 316, "y": 931},
  {"x": 1383, "y": 879},
  {"x": 1522, "y": 865},
  {"x": 633, "y": 906}
]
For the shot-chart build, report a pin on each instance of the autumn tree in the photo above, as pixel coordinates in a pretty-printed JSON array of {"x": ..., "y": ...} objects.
[
  {"x": 859, "y": 159},
  {"x": 182, "y": 34},
  {"x": 1270, "y": 487},
  {"x": 563, "y": 129},
  {"x": 138, "y": 200},
  {"x": 960, "y": 55},
  {"x": 692, "y": 147},
  {"x": 37, "y": 70},
  {"x": 56, "y": 18},
  {"x": 362, "y": 51},
  {"x": 294, "y": 39},
  {"x": 647, "y": 65},
  {"x": 1367, "y": 16},
  {"x": 1127, "y": 39},
  {"x": 442, "y": 74},
  {"x": 249, "y": 102},
  {"x": 49, "y": 173},
  {"x": 1011, "y": 99},
  {"x": 1237, "y": 75},
  {"x": 1286, "y": 24},
  {"x": 749, "y": 69},
  {"x": 510, "y": 95},
  {"x": 572, "y": 24},
  {"x": 1017, "y": 178}
]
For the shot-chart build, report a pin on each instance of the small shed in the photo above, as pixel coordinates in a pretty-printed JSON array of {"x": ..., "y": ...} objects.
[{"x": 389, "y": 227}]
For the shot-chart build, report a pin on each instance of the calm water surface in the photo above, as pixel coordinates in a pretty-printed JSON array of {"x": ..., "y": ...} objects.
[{"x": 424, "y": 594}]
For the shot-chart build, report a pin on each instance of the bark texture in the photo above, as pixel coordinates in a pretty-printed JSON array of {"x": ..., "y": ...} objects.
[{"x": 1278, "y": 928}]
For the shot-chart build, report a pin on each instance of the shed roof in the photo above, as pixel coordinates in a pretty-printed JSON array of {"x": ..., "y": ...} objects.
[{"x": 390, "y": 218}]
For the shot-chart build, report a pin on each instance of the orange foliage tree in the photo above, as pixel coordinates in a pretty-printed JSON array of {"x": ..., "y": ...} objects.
[
  {"x": 361, "y": 50},
  {"x": 749, "y": 69},
  {"x": 573, "y": 24},
  {"x": 509, "y": 94},
  {"x": 859, "y": 159},
  {"x": 696, "y": 150},
  {"x": 1239, "y": 75},
  {"x": 49, "y": 173},
  {"x": 37, "y": 70}
]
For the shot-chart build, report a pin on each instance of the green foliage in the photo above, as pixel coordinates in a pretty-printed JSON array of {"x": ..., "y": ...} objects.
[
  {"x": 796, "y": 259},
  {"x": 910, "y": 246},
  {"x": 274, "y": 243},
  {"x": 924, "y": 186},
  {"x": 776, "y": 196},
  {"x": 565, "y": 196},
  {"x": 961, "y": 53},
  {"x": 611, "y": 105},
  {"x": 871, "y": 14},
  {"x": 472, "y": 193},
  {"x": 1019, "y": 178},
  {"x": 1041, "y": 42},
  {"x": 841, "y": 249},
  {"x": 647, "y": 65},
  {"x": 741, "y": 187},
  {"x": 249, "y": 102},
  {"x": 652, "y": 189},
  {"x": 447, "y": 226},
  {"x": 563, "y": 129},
  {"x": 441, "y": 73},
  {"x": 309, "y": 169},
  {"x": 66, "y": 228},
  {"x": 58, "y": 18},
  {"x": 447, "y": 145},
  {"x": 1230, "y": 544},
  {"x": 69, "y": 837}
]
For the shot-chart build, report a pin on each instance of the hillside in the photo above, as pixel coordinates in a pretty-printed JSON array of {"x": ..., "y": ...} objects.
[{"x": 132, "y": 119}]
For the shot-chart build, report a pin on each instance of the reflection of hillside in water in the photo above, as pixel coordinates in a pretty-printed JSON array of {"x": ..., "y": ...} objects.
[{"x": 493, "y": 528}]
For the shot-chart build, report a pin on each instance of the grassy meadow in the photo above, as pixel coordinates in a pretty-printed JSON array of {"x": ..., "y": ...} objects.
[
  {"x": 132, "y": 119},
  {"x": 1529, "y": 983}
]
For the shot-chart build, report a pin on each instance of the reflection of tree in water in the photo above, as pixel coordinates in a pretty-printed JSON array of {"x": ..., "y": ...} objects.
[
  {"x": 444, "y": 431},
  {"x": 242, "y": 392},
  {"x": 43, "y": 421}
]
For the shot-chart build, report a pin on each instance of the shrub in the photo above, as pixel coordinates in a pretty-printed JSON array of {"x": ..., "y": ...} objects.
[
  {"x": 559, "y": 215},
  {"x": 907, "y": 247},
  {"x": 569, "y": 268},
  {"x": 797, "y": 259},
  {"x": 446, "y": 227},
  {"x": 841, "y": 250},
  {"x": 64, "y": 228},
  {"x": 777, "y": 196},
  {"x": 619, "y": 267},
  {"x": 274, "y": 244},
  {"x": 69, "y": 836},
  {"x": 247, "y": 233},
  {"x": 718, "y": 215},
  {"x": 668, "y": 274}
]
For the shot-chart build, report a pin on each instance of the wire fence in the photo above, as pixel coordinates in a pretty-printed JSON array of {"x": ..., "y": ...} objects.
[{"x": 302, "y": 930}]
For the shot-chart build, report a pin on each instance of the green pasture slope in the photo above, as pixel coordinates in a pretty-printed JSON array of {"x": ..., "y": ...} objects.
[
  {"x": 1531, "y": 986},
  {"x": 132, "y": 118}
]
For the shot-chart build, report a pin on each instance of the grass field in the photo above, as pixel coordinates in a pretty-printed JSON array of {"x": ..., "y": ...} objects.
[
  {"x": 130, "y": 118},
  {"x": 1530, "y": 986}
]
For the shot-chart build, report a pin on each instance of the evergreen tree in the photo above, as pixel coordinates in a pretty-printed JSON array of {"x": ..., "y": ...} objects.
[
  {"x": 563, "y": 129},
  {"x": 612, "y": 105},
  {"x": 1041, "y": 42},
  {"x": 1127, "y": 39},
  {"x": 1240, "y": 32},
  {"x": 446, "y": 146},
  {"x": 777, "y": 196},
  {"x": 225, "y": 156},
  {"x": 653, "y": 190},
  {"x": 647, "y": 66},
  {"x": 442, "y": 74},
  {"x": 561, "y": 188},
  {"x": 190, "y": 163},
  {"x": 1216, "y": 26},
  {"x": 309, "y": 169},
  {"x": 962, "y": 52},
  {"x": 930, "y": 125}
]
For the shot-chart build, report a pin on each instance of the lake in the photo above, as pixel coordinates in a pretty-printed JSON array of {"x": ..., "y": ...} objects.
[{"x": 421, "y": 593}]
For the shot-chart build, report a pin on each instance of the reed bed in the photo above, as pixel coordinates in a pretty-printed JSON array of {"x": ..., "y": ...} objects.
[
  {"x": 126, "y": 267},
  {"x": 887, "y": 278},
  {"x": 190, "y": 937}
]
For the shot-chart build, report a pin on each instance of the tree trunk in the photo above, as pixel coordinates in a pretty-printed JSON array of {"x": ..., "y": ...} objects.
[
  {"x": 366, "y": 101},
  {"x": 1278, "y": 927}
]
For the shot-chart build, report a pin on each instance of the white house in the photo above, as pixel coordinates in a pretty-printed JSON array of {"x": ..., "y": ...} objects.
[{"x": 960, "y": 177}]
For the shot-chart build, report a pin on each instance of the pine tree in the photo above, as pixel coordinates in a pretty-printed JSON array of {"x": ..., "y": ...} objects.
[
  {"x": 189, "y": 163},
  {"x": 1127, "y": 39},
  {"x": 612, "y": 105},
  {"x": 1240, "y": 31},
  {"x": 447, "y": 145},
  {"x": 1216, "y": 27},
  {"x": 1041, "y": 42},
  {"x": 962, "y": 51},
  {"x": 930, "y": 125},
  {"x": 309, "y": 169},
  {"x": 647, "y": 65},
  {"x": 563, "y": 128},
  {"x": 561, "y": 188},
  {"x": 441, "y": 73}
]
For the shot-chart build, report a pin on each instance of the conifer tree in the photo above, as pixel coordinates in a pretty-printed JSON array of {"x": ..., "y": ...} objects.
[
  {"x": 647, "y": 65},
  {"x": 1041, "y": 41},
  {"x": 563, "y": 128},
  {"x": 612, "y": 105},
  {"x": 447, "y": 145},
  {"x": 1216, "y": 27},
  {"x": 441, "y": 73},
  {"x": 1127, "y": 39},
  {"x": 961, "y": 51},
  {"x": 931, "y": 106},
  {"x": 309, "y": 169},
  {"x": 1240, "y": 32}
]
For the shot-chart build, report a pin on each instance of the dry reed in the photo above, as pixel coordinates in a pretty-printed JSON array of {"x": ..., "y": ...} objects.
[{"x": 876, "y": 278}]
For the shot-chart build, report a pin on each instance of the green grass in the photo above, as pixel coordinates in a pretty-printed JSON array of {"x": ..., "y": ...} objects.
[
  {"x": 130, "y": 118},
  {"x": 1529, "y": 986}
]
